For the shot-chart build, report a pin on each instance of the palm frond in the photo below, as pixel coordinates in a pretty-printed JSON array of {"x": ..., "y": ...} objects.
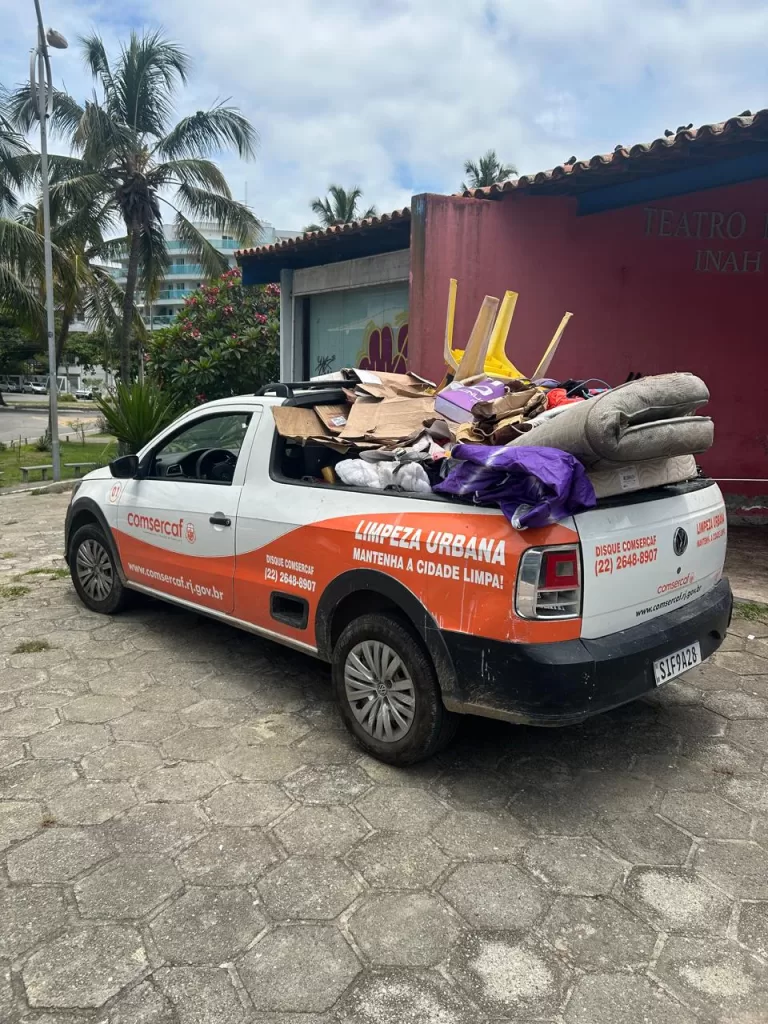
[
  {"x": 209, "y": 132},
  {"x": 148, "y": 71},
  {"x": 212, "y": 261},
  {"x": 96, "y": 61},
  {"x": 191, "y": 172},
  {"x": 100, "y": 137},
  {"x": 231, "y": 216},
  {"x": 154, "y": 259},
  {"x": 20, "y": 299},
  {"x": 23, "y": 111}
]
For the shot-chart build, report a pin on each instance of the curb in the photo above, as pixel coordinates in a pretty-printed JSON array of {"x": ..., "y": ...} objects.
[
  {"x": 56, "y": 487},
  {"x": 42, "y": 407}
]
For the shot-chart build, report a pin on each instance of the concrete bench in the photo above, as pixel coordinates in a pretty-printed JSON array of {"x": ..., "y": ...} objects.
[
  {"x": 77, "y": 466},
  {"x": 26, "y": 470}
]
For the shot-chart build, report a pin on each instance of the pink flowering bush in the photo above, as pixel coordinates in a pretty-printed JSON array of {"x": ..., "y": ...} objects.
[{"x": 225, "y": 341}]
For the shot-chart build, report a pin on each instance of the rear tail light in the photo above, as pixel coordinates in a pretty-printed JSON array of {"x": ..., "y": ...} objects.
[{"x": 549, "y": 583}]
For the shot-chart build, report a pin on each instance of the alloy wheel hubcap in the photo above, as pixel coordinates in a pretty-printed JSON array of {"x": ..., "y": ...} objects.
[
  {"x": 94, "y": 570},
  {"x": 379, "y": 690}
]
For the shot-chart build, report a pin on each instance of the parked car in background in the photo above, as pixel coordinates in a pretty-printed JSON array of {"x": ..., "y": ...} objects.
[
  {"x": 84, "y": 394},
  {"x": 11, "y": 389},
  {"x": 33, "y": 387}
]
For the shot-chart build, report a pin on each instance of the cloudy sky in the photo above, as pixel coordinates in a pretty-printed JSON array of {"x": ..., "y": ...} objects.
[{"x": 394, "y": 95}]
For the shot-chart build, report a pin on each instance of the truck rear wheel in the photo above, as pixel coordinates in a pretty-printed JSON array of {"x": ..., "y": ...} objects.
[{"x": 388, "y": 692}]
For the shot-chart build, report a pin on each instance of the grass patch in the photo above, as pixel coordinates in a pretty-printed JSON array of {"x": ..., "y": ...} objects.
[
  {"x": 53, "y": 572},
  {"x": 752, "y": 611},
  {"x": 31, "y": 647},
  {"x": 13, "y": 590},
  {"x": 8, "y": 554},
  {"x": 12, "y": 459}
]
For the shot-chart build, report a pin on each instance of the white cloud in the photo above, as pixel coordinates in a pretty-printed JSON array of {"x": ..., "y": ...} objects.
[{"x": 394, "y": 95}]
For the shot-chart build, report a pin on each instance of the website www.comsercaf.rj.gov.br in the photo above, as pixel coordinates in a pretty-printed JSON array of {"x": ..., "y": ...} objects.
[{"x": 180, "y": 582}]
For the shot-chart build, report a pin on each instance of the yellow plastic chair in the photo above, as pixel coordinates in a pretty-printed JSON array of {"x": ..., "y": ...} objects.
[
  {"x": 496, "y": 362},
  {"x": 473, "y": 358}
]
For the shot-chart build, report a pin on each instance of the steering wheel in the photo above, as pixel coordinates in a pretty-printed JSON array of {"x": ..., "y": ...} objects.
[{"x": 216, "y": 464}]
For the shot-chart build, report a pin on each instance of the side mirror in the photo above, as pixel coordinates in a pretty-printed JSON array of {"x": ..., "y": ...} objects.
[{"x": 124, "y": 468}]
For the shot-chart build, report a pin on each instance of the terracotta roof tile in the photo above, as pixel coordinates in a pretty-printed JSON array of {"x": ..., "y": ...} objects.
[
  {"x": 310, "y": 238},
  {"x": 640, "y": 157}
]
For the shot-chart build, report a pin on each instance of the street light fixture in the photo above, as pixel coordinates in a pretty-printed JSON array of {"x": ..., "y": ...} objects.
[{"x": 41, "y": 86}]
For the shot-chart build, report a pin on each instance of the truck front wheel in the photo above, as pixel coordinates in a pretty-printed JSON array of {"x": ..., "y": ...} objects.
[{"x": 388, "y": 692}]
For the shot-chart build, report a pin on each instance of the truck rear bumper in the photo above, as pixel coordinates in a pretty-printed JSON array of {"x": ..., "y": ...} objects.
[{"x": 563, "y": 683}]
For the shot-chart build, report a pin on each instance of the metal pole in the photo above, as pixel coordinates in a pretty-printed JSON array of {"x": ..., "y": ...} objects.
[{"x": 44, "y": 85}]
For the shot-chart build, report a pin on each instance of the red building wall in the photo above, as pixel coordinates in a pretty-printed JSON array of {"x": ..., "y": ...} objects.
[{"x": 672, "y": 284}]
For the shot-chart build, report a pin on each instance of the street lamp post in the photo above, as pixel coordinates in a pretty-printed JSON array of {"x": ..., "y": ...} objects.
[{"x": 42, "y": 85}]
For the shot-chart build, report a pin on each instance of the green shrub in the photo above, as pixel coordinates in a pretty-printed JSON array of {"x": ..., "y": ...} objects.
[
  {"x": 65, "y": 398},
  {"x": 136, "y": 413},
  {"x": 43, "y": 443},
  {"x": 225, "y": 341}
]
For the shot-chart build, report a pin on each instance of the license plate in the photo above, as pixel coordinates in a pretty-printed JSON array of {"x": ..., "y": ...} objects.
[{"x": 676, "y": 663}]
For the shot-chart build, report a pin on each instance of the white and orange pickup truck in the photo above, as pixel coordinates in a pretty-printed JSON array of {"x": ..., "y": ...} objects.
[{"x": 426, "y": 607}]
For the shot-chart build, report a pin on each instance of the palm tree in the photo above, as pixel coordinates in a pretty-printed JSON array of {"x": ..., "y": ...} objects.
[
  {"x": 487, "y": 171},
  {"x": 128, "y": 156},
  {"x": 338, "y": 207}
]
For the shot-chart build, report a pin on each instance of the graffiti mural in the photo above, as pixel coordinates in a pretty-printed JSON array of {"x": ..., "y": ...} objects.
[{"x": 385, "y": 348}]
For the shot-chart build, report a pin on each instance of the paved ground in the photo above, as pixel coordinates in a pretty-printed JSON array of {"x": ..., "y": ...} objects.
[
  {"x": 190, "y": 838},
  {"x": 30, "y": 424}
]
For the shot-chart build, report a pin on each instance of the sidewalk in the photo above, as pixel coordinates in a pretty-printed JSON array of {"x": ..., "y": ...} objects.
[{"x": 746, "y": 564}]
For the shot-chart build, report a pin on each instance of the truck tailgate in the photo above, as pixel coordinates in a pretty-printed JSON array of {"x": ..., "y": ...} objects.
[{"x": 645, "y": 558}]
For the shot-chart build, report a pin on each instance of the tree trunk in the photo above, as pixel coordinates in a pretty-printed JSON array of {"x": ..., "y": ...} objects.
[
  {"x": 61, "y": 340},
  {"x": 134, "y": 244}
]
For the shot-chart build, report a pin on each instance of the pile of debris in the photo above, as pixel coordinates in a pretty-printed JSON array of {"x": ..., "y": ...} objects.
[{"x": 539, "y": 448}]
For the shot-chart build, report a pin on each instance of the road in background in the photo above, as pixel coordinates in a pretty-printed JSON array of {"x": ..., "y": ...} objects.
[{"x": 29, "y": 424}]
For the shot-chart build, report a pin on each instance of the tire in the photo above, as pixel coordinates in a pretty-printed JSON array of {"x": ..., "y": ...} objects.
[
  {"x": 398, "y": 717},
  {"x": 103, "y": 590}
]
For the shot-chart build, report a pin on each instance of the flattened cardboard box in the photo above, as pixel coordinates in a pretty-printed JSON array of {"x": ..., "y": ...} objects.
[
  {"x": 298, "y": 421},
  {"x": 392, "y": 419}
]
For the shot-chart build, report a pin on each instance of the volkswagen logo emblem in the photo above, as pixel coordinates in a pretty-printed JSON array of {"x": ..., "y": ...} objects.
[{"x": 680, "y": 541}]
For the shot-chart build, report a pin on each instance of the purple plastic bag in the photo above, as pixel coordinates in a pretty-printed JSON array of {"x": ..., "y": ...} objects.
[{"x": 532, "y": 486}]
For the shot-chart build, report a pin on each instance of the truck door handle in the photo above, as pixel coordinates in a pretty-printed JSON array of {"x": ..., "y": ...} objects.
[{"x": 219, "y": 519}]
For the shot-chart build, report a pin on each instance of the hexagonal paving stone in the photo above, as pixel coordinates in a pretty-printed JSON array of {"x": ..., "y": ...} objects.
[
  {"x": 207, "y": 925},
  {"x": 399, "y": 809},
  {"x": 736, "y": 704},
  {"x": 18, "y": 820},
  {"x": 595, "y": 934},
  {"x": 247, "y": 803},
  {"x": 215, "y": 714},
  {"x": 36, "y": 779},
  {"x": 120, "y": 684},
  {"x": 11, "y": 749},
  {"x": 84, "y": 968},
  {"x": 715, "y": 978},
  {"x": 155, "y": 828},
  {"x": 577, "y": 867},
  {"x": 706, "y": 815},
  {"x": 201, "y": 995},
  {"x": 751, "y": 794},
  {"x": 7, "y": 1000},
  {"x": 198, "y": 744},
  {"x": 28, "y": 914},
  {"x": 740, "y": 663},
  {"x": 163, "y": 697},
  {"x": 478, "y": 790},
  {"x": 275, "y": 729},
  {"x": 509, "y": 978},
  {"x": 678, "y": 900},
  {"x": 555, "y": 811},
  {"x": 57, "y": 855},
  {"x": 495, "y": 896},
  {"x": 186, "y": 780},
  {"x": 228, "y": 856},
  {"x": 22, "y": 679},
  {"x": 721, "y": 756},
  {"x": 740, "y": 868},
  {"x": 327, "y": 784},
  {"x": 96, "y": 708},
  {"x": 752, "y": 734},
  {"x": 69, "y": 740},
  {"x": 121, "y": 761},
  {"x": 467, "y": 835},
  {"x": 620, "y": 998},
  {"x": 91, "y": 803},
  {"x": 308, "y": 888},
  {"x": 130, "y": 886},
  {"x": 145, "y": 727},
  {"x": 753, "y": 927},
  {"x": 396, "y": 860},
  {"x": 404, "y": 930},
  {"x": 26, "y": 721},
  {"x": 300, "y": 968},
  {"x": 324, "y": 830},
  {"x": 262, "y": 763},
  {"x": 404, "y": 997},
  {"x": 142, "y": 1005},
  {"x": 645, "y": 839},
  {"x": 328, "y": 746},
  {"x": 671, "y": 773}
]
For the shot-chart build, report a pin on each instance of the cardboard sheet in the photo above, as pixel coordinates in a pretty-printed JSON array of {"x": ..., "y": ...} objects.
[
  {"x": 388, "y": 420},
  {"x": 334, "y": 417},
  {"x": 297, "y": 421}
]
